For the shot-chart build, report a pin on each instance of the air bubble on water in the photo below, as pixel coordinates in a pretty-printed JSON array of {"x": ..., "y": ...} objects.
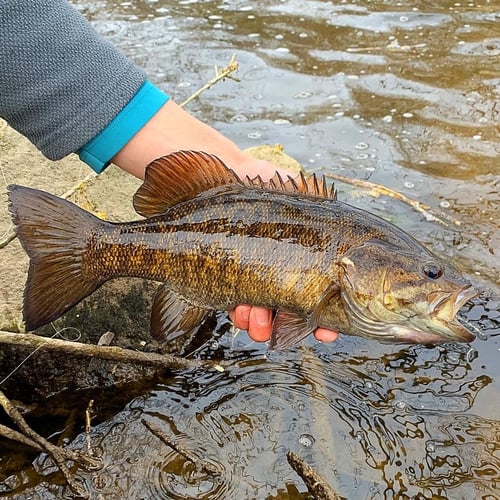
[
  {"x": 356, "y": 117},
  {"x": 339, "y": 113},
  {"x": 214, "y": 17},
  {"x": 254, "y": 135},
  {"x": 214, "y": 344},
  {"x": 361, "y": 145},
  {"x": 303, "y": 35},
  {"x": 239, "y": 118},
  {"x": 306, "y": 440},
  {"x": 362, "y": 156},
  {"x": 482, "y": 335},
  {"x": 430, "y": 447},
  {"x": 387, "y": 119},
  {"x": 281, "y": 121},
  {"x": 409, "y": 185},
  {"x": 303, "y": 95},
  {"x": 253, "y": 35},
  {"x": 279, "y": 36},
  {"x": 408, "y": 115},
  {"x": 400, "y": 405},
  {"x": 403, "y": 19},
  {"x": 477, "y": 137},
  {"x": 370, "y": 169},
  {"x": 368, "y": 385},
  {"x": 283, "y": 49},
  {"x": 444, "y": 204}
]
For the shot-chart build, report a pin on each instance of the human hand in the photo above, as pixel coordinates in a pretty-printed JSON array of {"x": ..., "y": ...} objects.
[
  {"x": 245, "y": 166},
  {"x": 258, "y": 321}
]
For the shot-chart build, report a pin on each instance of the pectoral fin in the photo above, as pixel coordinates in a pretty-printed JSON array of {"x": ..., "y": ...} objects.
[
  {"x": 173, "y": 316},
  {"x": 288, "y": 329},
  {"x": 330, "y": 293}
]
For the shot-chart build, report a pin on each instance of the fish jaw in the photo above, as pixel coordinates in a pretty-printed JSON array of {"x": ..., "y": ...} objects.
[
  {"x": 441, "y": 325},
  {"x": 442, "y": 332}
]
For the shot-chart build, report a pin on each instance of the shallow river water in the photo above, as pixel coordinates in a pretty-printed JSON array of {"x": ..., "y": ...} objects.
[{"x": 404, "y": 94}]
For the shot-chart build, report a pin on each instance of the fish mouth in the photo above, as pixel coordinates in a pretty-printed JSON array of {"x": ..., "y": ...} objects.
[
  {"x": 445, "y": 306},
  {"x": 443, "y": 310},
  {"x": 438, "y": 326}
]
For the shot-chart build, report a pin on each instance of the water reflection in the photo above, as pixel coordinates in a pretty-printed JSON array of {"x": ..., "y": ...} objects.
[{"x": 375, "y": 421}]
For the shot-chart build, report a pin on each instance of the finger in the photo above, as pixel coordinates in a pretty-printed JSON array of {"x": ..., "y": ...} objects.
[
  {"x": 240, "y": 316},
  {"x": 260, "y": 324},
  {"x": 324, "y": 335}
]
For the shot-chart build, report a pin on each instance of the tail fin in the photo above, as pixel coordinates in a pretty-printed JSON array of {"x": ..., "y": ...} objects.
[{"x": 54, "y": 233}]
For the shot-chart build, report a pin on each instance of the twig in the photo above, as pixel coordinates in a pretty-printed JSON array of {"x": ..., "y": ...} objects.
[
  {"x": 377, "y": 190},
  {"x": 88, "y": 427},
  {"x": 316, "y": 485},
  {"x": 59, "y": 455},
  {"x": 9, "y": 236},
  {"x": 224, "y": 73},
  {"x": 202, "y": 465},
  {"x": 13, "y": 435}
]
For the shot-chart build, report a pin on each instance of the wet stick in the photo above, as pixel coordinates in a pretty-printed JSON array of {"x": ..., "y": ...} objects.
[
  {"x": 59, "y": 455},
  {"x": 101, "y": 352},
  {"x": 202, "y": 465},
  {"x": 316, "y": 485}
]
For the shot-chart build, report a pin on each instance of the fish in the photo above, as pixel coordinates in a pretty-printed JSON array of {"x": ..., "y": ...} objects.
[{"x": 213, "y": 240}]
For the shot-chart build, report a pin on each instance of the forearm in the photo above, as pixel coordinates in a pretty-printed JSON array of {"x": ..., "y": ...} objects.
[{"x": 173, "y": 129}]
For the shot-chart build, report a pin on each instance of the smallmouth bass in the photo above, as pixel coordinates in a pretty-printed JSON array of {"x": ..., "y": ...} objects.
[{"x": 214, "y": 241}]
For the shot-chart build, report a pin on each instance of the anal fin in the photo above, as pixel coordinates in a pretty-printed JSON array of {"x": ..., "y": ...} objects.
[
  {"x": 173, "y": 316},
  {"x": 288, "y": 329}
]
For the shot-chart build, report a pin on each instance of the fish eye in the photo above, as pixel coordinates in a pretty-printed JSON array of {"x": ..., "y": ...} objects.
[{"x": 432, "y": 270}]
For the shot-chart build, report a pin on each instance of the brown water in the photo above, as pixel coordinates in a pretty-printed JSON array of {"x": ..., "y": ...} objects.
[{"x": 405, "y": 94}]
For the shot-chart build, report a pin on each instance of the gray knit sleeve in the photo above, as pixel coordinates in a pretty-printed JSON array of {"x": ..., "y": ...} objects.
[{"x": 60, "y": 82}]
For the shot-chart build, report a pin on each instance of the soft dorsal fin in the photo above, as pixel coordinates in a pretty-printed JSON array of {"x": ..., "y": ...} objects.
[
  {"x": 310, "y": 185},
  {"x": 178, "y": 177}
]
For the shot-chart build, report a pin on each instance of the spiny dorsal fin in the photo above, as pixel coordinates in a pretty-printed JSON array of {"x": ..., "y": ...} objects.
[
  {"x": 178, "y": 177},
  {"x": 310, "y": 185}
]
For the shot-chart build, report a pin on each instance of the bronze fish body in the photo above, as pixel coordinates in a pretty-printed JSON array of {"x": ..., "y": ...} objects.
[{"x": 215, "y": 241}]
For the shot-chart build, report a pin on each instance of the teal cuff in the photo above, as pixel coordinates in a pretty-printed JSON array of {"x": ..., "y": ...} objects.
[{"x": 147, "y": 101}]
